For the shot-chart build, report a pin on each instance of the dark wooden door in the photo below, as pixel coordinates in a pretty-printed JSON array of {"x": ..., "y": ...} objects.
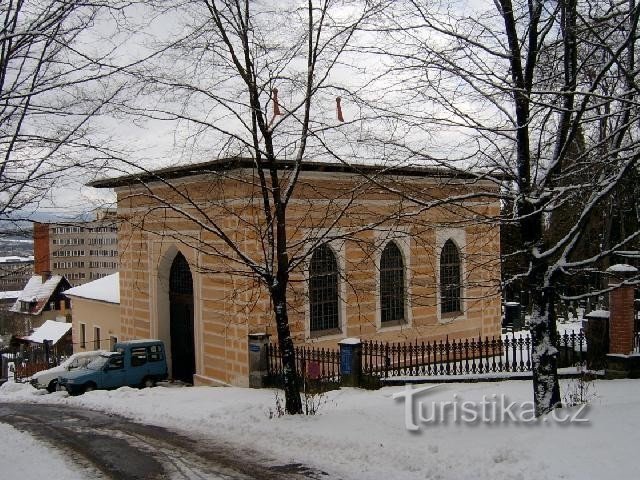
[{"x": 181, "y": 328}]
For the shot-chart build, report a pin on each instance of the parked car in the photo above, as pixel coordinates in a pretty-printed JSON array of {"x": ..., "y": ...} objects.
[
  {"x": 49, "y": 378},
  {"x": 136, "y": 363}
]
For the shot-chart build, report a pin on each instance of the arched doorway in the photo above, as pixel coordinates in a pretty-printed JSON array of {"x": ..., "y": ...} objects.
[{"x": 181, "y": 323}]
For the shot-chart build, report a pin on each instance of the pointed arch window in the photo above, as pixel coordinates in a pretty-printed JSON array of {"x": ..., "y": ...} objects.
[
  {"x": 180, "y": 280},
  {"x": 450, "y": 278},
  {"x": 392, "y": 285},
  {"x": 323, "y": 290}
]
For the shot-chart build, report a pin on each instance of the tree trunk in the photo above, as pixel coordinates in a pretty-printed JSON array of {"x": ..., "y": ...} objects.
[
  {"x": 293, "y": 402},
  {"x": 544, "y": 361},
  {"x": 544, "y": 354}
]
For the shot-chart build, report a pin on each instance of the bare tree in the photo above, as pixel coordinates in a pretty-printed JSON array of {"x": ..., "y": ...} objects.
[
  {"x": 254, "y": 85},
  {"x": 57, "y": 65},
  {"x": 546, "y": 91}
]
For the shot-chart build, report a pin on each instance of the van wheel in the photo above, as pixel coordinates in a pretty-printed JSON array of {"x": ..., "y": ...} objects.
[
  {"x": 89, "y": 387},
  {"x": 148, "y": 382},
  {"x": 53, "y": 386}
]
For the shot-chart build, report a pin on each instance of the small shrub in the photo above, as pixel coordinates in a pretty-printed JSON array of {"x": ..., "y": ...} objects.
[
  {"x": 279, "y": 410},
  {"x": 314, "y": 396},
  {"x": 580, "y": 390}
]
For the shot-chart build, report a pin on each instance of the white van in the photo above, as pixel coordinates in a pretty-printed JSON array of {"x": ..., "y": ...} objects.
[{"x": 49, "y": 378}]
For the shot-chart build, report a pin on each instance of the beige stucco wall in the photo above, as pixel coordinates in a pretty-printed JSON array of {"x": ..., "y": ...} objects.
[
  {"x": 94, "y": 313},
  {"x": 228, "y": 301}
]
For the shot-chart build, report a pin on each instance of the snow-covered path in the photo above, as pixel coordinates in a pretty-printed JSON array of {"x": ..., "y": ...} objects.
[
  {"x": 362, "y": 434},
  {"x": 25, "y": 458},
  {"x": 113, "y": 447}
]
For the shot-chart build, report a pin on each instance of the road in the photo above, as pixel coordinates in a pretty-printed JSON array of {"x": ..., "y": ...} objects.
[{"x": 120, "y": 449}]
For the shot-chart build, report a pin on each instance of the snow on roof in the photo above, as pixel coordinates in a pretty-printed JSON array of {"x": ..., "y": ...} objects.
[
  {"x": 105, "y": 289},
  {"x": 598, "y": 314},
  {"x": 629, "y": 253},
  {"x": 622, "y": 268},
  {"x": 10, "y": 295},
  {"x": 37, "y": 292},
  {"x": 50, "y": 330},
  {"x": 15, "y": 259}
]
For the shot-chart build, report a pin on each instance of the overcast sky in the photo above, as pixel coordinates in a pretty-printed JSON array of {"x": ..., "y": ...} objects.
[{"x": 196, "y": 63}]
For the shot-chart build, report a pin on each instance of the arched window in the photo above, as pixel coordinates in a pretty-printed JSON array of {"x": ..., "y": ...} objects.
[
  {"x": 180, "y": 280},
  {"x": 323, "y": 290},
  {"x": 392, "y": 297},
  {"x": 449, "y": 278}
]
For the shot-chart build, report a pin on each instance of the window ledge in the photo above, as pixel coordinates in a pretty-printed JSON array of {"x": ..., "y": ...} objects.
[
  {"x": 330, "y": 334},
  {"x": 393, "y": 326},
  {"x": 451, "y": 316}
]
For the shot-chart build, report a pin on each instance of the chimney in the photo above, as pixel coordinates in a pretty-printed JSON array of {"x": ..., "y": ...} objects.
[{"x": 46, "y": 275}]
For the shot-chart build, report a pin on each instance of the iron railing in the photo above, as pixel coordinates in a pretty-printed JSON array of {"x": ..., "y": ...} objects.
[
  {"x": 464, "y": 356},
  {"x": 28, "y": 359},
  {"x": 510, "y": 354},
  {"x": 318, "y": 365}
]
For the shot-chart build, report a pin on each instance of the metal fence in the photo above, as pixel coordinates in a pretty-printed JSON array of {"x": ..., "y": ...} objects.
[
  {"x": 509, "y": 354},
  {"x": 30, "y": 358},
  {"x": 314, "y": 365},
  {"x": 463, "y": 357}
]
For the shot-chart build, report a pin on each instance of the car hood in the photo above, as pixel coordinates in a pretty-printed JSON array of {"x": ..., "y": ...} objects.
[{"x": 53, "y": 370}]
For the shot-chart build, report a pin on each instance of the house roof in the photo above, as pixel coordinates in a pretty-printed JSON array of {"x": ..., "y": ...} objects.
[
  {"x": 49, "y": 330},
  {"x": 235, "y": 163},
  {"x": 38, "y": 293},
  {"x": 10, "y": 295},
  {"x": 106, "y": 289},
  {"x": 16, "y": 259}
]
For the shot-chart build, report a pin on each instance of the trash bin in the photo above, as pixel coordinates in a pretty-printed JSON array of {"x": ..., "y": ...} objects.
[{"x": 513, "y": 316}]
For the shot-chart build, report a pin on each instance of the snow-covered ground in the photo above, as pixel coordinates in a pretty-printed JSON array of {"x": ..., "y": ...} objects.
[
  {"x": 362, "y": 434},
  {"x": 25, "y": 458}
]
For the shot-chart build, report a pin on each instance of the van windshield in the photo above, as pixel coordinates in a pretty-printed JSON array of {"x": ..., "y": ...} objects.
[{"x": 97, "y": 363}]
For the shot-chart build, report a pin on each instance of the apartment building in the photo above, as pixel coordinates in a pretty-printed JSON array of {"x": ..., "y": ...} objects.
[
  {"x": 15, "y": 272},
  {"x": 80, "y": 251}
]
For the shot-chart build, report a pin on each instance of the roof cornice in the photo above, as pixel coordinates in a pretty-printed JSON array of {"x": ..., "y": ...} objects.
[{"x": 237, "y": 163}]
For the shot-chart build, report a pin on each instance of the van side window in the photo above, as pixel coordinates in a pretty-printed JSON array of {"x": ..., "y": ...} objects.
[
  {"x": 116, "y": 362},
  {"x": 155, "y": 353},
  {"x": 138, "y": 356}
]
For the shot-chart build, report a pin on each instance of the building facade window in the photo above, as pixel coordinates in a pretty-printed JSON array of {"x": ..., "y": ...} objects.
[
  {"x": 323, "y": 290},
  {"x": 83, "y": 335},
  {"x": 392, "y": 286},
  {"x": 450, "y": 278},
  {"x": 96, "y": 338}
]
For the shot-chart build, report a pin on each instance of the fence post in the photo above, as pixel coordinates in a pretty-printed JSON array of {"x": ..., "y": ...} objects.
[
  {"x": 596, "y": 331},
  {"x": 350, "y": 362},
  {"x": 620, "y": 361},
  {"x": 621, "y": 314},
  {"x": 258, "y": 359},
  {"x": 47, "y": 344}
]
